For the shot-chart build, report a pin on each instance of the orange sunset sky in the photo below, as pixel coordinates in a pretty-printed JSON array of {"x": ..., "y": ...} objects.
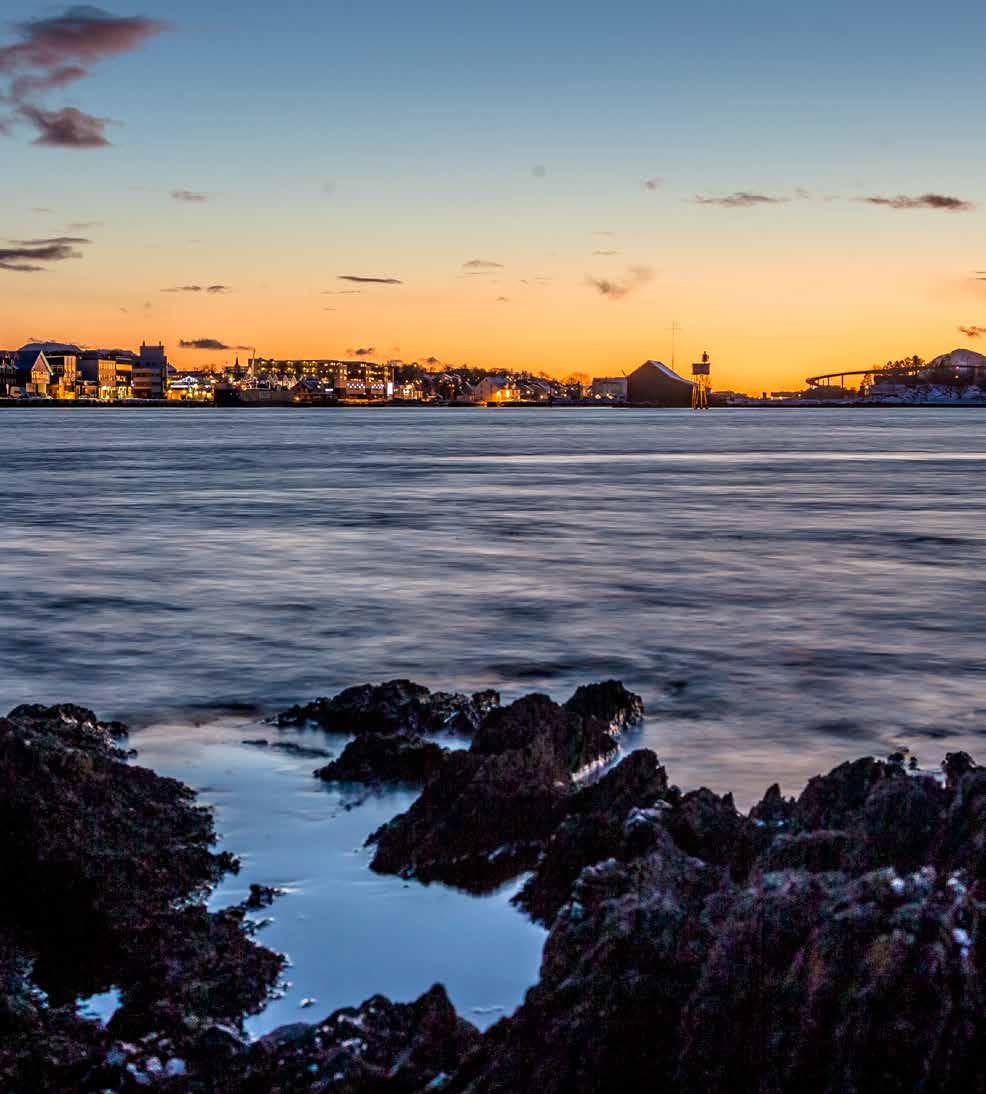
[{"x": 540, "y": 190}]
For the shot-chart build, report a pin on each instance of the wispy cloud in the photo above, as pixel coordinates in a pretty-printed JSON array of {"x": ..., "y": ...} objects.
[
  {"x": 636, "y": 276},
  {"x": 34, "y": 255},
  {"x": 370, "y": 280},
  {"x": 211, "y": 344},
  {"x": 606, "y": 254},
  {"x": 189, "y": 195},
  {"x": 342, "y": 292},
  {"x": 653, "y": 184},
  {"x": 503, "y": 299},
  {"x": 84, "y": 225},
  {"x": 942, "y": 202},
  {"x": 213, "y": 289},
  {"x": 49, "y": 54},
  {"x": 481, "y": 264},
  {"x": 65, "y": 128},
  {"x": 741, "y": 199},
  {"x": 362, "y": 351},
  {"x": 973, "y": 332}
]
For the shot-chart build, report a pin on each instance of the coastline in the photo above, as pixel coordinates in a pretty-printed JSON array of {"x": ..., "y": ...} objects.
[
  {"x": 164, "y": 404},
  {"x": 843, "y": 925}
]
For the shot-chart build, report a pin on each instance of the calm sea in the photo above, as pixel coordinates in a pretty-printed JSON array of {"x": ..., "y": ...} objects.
[{"x": 786, "y": 588}]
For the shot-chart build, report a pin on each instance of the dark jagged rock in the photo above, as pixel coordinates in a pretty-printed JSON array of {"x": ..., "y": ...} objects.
[
  {"x": 101, "y": 864},
  {"x": 962, "y": 839},
  {"x": 618, "y": 965},
  {"x": 816, "y": 973},
  {"x": 818, "y": 983},
  {"x": 709, "y": 827},
  {"x": 835, "y": 943},
  {"x": 814, "y": 852},
  {"x": 485, "y": 815},
  {"x": 479, "y": 822},
  {"x": 774, "y": 810},
  {"x": 377, "y": 758},
  {"x": 377, "y": 1047},
  {"x": 262, "y": 896},
  {"x": 579, "y": 741},
  {"x": 594, "y": 829},
  {"x": 836, "y": 800},
  {"x": 301, "y": 751},
  {"x": 397, "y": 706},
  {"x": 955, "y": 765},
  {"x": 608, "y": 702},
  {"x": 900, "y": 821}
]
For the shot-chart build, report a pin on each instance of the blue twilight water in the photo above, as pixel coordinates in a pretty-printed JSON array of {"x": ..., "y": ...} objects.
[{"x": 786, "y": 588}]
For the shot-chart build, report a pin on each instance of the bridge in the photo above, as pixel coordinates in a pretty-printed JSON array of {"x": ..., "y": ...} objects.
[{"x": 827, "y": 379}]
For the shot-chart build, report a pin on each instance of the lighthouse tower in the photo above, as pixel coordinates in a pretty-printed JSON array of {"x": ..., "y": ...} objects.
[{"x": 702, "y": 383}]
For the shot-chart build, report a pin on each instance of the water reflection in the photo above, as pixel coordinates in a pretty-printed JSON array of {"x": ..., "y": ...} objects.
[{"x": 349, "y": 933}]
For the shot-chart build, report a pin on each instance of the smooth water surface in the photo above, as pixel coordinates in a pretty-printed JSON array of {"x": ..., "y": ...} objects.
[
  {"x": 349, "y": 933},
  {"x": 784, "y": 587}
]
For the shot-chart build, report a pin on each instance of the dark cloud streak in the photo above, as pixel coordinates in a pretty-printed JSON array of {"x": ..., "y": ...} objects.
[
  {"x": 742, "y": 199},
  {"x": 65, "y": 128},
  {"x": 31, "y": 255},
  {"x": 53, "y": 52},
  {"x": 941, "y": 202},
  {"x": 211, "y": 344}
]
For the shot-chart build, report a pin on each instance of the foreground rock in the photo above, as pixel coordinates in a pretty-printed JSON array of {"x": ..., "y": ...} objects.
[
  {"x": 602, "y": 822},
  {"x": 398, "y": 706},
  {"x": 102, "y": 864},
  {"x": 376, "y": 758},
  {"x": 378, "y": 1046},
  {"x": 832, "y": 943},
  {"x": 487, "y": 813}
]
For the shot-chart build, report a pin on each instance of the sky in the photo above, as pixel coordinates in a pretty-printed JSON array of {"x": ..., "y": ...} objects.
[{"x": 538, "y": 185}]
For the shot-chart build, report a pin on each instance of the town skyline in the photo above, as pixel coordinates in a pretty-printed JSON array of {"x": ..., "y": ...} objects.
[{"x": 437, "y": 187}]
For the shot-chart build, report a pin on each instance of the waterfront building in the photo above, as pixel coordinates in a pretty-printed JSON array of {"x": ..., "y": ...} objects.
[
  {"x": 347, "y": 379},
  {"x": 613, "y": 388},
  {"x": 107, "y": 377},
  {"x": 41, "y": 376},
  {"x": 655, "y": 384},
  {"x": 150, "y": 373},
  {"x": 8, "y": 372},
  {"x": 191, "y": 386},
  {"x": 495, "y": 389}
]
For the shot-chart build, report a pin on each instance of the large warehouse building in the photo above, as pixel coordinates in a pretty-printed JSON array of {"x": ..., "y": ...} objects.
[{"x": 655, "y": 384}]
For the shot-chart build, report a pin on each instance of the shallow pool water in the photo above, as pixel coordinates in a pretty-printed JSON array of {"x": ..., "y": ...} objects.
[{"x": 349, "y": 933}]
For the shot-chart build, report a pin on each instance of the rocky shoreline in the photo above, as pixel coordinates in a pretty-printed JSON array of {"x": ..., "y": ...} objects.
[{"x": 825, "y": 943}]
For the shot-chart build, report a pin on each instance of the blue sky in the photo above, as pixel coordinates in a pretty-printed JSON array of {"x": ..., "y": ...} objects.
[{"x": 427, "y": 121}]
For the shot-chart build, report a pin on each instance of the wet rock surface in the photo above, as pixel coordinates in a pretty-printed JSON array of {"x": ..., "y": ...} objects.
[
  {"x": 486, "y": 814},
  {"x": 375, "y": 758},
  {"x": 831, "y": 942},
  {"x": 598, "y": 826},
  {"x": 397, "y": 706},
  {"x": 378, "y": 1046},
  {"x": 103, "y": 865}
]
